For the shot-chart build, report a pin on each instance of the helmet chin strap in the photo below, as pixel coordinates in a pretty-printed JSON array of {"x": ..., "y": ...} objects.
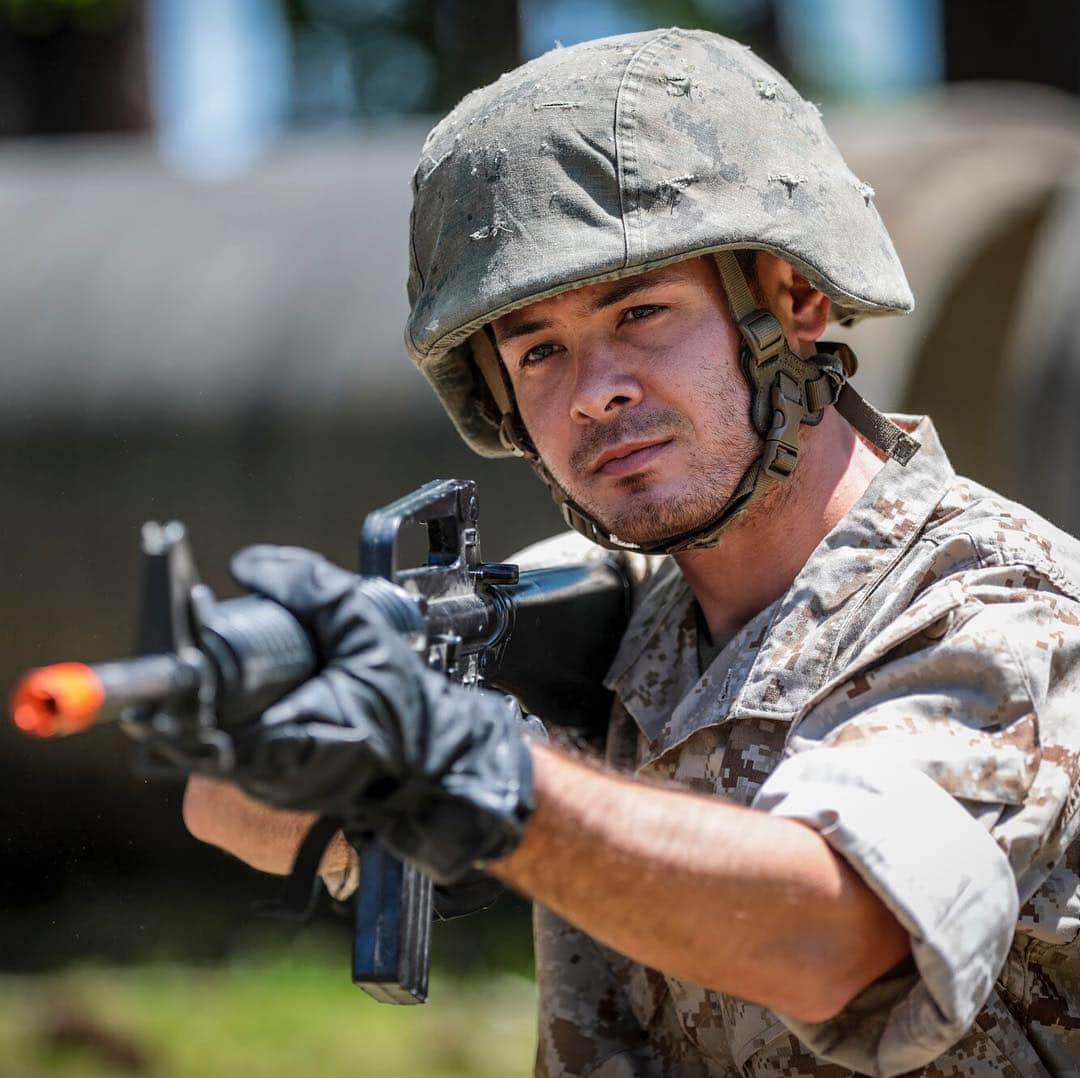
[{"x": 786, "y": 392}]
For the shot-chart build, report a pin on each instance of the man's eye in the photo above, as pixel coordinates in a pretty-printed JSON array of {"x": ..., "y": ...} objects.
[
  {"x": 536, "y": 355},
  {"x": 644, "y": 310}
]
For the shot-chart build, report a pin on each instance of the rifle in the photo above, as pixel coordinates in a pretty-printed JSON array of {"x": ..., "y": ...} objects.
[{"x": 204, "y": 669}]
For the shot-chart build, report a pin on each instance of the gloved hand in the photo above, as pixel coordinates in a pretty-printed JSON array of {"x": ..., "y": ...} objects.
[{"x": 440, "y": 774}]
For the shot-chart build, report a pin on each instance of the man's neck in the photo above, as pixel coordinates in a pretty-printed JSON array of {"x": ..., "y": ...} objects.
[{"x": 760, "y": 556}]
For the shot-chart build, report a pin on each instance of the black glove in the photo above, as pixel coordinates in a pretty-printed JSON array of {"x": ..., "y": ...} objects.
[{"x": 442, "y": 775}]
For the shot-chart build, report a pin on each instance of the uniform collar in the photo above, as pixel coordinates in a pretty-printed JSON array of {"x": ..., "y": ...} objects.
[{"x": 775, "y": 663}]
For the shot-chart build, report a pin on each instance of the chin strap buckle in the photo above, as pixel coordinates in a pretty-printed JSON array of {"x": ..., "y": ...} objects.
[
  {"x": 763, "y": 334},
  {"x": 782, "y": 442}
]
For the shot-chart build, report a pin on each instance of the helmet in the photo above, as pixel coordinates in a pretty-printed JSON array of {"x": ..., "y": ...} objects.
[{"x": 616, "y": 156}]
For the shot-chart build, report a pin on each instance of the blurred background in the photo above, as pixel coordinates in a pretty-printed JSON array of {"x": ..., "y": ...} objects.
[{"x": 203, "y": 211}]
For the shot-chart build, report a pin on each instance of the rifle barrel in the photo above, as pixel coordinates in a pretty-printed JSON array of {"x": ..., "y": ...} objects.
[{"x": 66, "y": 698}]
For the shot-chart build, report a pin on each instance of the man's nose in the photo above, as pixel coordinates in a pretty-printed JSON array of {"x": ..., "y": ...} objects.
[{"x": 604, "y": 386}]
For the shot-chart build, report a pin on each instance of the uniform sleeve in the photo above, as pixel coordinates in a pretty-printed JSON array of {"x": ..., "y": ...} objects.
[{"x": 945, "y": 772}]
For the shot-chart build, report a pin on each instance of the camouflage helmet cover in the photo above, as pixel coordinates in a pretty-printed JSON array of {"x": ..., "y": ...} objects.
[{"x": 612, "y": 157}]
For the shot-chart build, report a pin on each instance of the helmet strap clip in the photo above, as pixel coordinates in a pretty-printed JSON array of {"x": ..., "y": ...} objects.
[
  {"x": 763, "y": 334},
  {"x": 782, "y": 442}
]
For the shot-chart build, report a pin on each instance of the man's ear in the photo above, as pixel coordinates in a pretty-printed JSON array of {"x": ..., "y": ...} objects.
[
  {"x": 809, "y": 309},
  {"x": 802, "y": 309}
]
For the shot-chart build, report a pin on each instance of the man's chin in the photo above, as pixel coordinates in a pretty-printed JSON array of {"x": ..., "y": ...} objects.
[
  {"x": 638, "y": 533},
  {"x": 648, "y": 520}
]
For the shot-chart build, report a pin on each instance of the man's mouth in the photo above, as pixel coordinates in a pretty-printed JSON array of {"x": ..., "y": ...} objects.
[{"x": 629, "y": 457}]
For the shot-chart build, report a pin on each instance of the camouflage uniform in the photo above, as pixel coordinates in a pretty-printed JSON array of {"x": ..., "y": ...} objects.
[
  {"x": 912, "y": 698},
  {"x": 906, "y": 697}
]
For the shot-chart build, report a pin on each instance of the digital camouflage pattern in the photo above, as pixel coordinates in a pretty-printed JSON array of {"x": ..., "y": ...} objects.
[{"x": 913, "y": 696}]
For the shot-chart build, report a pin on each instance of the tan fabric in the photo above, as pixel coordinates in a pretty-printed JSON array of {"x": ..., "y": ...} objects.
[{"x": 914, "y": 696}]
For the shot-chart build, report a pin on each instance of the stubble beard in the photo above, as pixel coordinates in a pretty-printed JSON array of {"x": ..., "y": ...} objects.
[{"x": 642, "y": 512}]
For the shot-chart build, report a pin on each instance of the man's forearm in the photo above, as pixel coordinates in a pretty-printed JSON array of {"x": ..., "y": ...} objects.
[
  {"x": 726, "y": 897},
  {"x": 267, "y": 838}
]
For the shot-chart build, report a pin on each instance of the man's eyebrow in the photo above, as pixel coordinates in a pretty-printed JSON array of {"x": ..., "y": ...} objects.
[
  {"x": 521, "y": 329},
  {"x": 622, "y": 289}
]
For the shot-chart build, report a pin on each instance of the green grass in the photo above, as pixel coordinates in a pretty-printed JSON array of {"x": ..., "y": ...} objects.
[{"x": 289, "y": 1012}]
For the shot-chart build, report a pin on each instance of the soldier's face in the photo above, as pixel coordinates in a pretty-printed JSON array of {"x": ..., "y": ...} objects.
[{"x": 632, "y": 394}]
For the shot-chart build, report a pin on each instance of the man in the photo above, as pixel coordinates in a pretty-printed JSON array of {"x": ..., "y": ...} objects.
[{"x": 854, "y": 675}]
